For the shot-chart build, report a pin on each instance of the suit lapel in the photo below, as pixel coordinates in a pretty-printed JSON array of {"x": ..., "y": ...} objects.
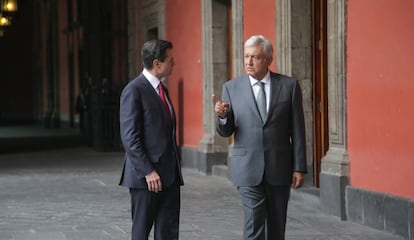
[
  {"x": 167, "y": 95},
  {"x": 275, "y": 87},
  {"x": 156, "y": 98},
  {"x": 150, "y": 92},
  {"x": 248, "y": 95}
]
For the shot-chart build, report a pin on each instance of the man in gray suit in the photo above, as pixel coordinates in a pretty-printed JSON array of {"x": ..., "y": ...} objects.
[{"x": 263, "y": 111}]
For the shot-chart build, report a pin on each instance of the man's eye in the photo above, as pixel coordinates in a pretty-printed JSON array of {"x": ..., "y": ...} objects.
[{"x": 252, "y": 57}]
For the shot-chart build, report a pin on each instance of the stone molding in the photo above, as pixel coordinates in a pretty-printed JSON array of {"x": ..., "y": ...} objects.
[
  {"x": 334, "y": 174},
  {"x": 237, "y": 37},
  {"x": 283, "y": 37},
  {"x": 336, "y": 160},
  {"x": 153, "y": 16},
  {"x": 337, "y": 72}
]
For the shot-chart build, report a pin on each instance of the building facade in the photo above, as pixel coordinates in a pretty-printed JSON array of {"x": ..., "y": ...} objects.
[{"x": 352, "y": 59}]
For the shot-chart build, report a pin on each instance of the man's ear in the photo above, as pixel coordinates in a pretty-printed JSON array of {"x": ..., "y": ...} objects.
[
  {"x": 269, "y": 61},
  {"x": 155, "y": 63}
]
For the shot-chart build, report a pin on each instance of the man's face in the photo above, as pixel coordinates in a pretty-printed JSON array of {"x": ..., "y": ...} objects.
[
  {"x": 165, "y": 68},
  {"x": 255, "y": 62}
]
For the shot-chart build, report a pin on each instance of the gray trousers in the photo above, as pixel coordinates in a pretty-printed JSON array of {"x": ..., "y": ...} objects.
[{"x": 265, "y": 211}]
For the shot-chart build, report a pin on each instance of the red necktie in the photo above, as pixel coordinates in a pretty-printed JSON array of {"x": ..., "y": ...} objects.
[{"x": 163, "y": 100}]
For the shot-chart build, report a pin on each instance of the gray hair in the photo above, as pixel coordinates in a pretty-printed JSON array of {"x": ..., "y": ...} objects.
[{"x": 262, "y": 41}]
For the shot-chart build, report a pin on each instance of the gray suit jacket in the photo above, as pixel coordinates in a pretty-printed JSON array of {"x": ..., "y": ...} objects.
[{"x": 270, "y": 150}]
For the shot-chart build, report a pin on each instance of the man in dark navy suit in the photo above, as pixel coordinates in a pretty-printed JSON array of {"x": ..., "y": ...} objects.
[{"x": 152, "y": 168}]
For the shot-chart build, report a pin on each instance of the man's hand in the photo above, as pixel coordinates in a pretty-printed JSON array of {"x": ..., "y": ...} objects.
[
  {"x": 297, "y": 179},
  {"x": 154, "y": 182},
  {"x": 220, "y": 108}
]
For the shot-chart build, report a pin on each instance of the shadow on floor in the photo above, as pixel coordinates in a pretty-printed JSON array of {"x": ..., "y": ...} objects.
[{"x": 27, "y": 138}]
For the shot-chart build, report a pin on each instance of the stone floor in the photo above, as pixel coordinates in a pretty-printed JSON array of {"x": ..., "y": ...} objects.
[{"x": 72, "y": 193}]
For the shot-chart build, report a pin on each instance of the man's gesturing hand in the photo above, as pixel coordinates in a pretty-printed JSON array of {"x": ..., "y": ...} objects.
[
  {"x": 220, "y": 108},
  {"x": 154, "y": 182}
]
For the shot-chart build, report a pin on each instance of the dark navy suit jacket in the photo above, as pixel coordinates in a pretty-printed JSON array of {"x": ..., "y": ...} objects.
[{"x": 148, "y": 136}]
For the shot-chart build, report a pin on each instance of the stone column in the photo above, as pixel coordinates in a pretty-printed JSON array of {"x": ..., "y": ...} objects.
[
  {"x": 134, "y": 38},
  {"x": 237, "y": 49},
  {"x": 294, "y": 56},
  {"x": 335, "y": 165},
  {"x": 52, "y": 116},
  {"x": 283, "y": 37},
  {"x": 237, "y": 36},
  {"x": 161, "y": 19},
  {"x": 213, "y": 148}
]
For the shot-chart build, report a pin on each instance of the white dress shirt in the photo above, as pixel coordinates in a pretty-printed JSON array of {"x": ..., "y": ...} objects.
[
  {"x": 154, "y": 81},
  {"x": 256, "y": 87}
]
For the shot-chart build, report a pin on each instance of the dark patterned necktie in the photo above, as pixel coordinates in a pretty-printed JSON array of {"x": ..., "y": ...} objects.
[
  {"x": 261, "y": 101},
  {"x": 163, "y": 99}
]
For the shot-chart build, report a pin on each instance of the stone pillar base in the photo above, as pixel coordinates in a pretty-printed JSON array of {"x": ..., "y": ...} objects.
[
  {"x": 202, "y": 162},
  {"x": 334, "y": 178},
  {"x": 332, "y": 194}
]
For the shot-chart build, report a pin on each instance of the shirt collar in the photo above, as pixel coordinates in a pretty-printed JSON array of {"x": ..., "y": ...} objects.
[
  {"x": 265, "y": 80},
  {"x": 154, "y": 81}
]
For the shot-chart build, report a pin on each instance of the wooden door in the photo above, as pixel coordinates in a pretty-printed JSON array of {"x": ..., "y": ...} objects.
[{"x": 320, "y": 99}]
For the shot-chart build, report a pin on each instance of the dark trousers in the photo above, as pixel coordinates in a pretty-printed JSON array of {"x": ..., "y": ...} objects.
[
  {"x": 160, "y": 209},
  {"x": 265, "y": 211}
]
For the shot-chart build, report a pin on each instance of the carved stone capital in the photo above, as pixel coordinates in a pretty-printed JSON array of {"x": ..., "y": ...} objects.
[{"x": 336, "y": 162}]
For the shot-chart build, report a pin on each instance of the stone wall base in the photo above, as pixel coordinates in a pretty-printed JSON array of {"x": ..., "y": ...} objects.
[
  {"x": 202, "y": 162},
  {"x": 332, "y": 194},
  {"x": 381, "y": 211}
]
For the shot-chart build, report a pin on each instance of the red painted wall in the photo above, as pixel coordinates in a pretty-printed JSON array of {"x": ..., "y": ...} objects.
[
  {"x": 183, "y": 28},
  {"x": 259, "y": 19},
  {"x": 380, "y": 61}
]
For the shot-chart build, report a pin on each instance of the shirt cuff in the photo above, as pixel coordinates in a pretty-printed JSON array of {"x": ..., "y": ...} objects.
[{"x": 222, "y": 121}]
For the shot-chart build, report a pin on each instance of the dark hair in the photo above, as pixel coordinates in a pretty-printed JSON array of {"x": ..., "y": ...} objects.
[{"x": 154, "y": 49}]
